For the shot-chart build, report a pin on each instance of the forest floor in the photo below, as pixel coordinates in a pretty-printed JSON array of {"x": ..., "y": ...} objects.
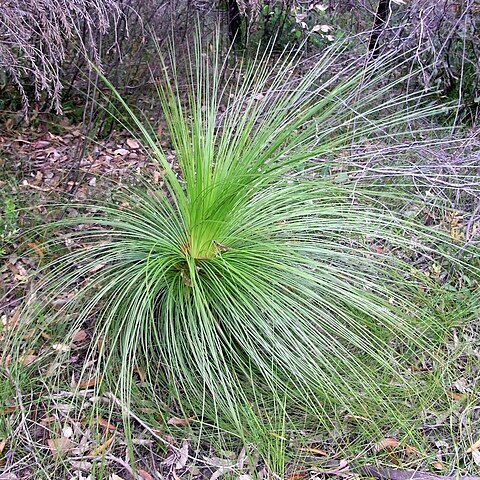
[{"x": 44, "y": 435}]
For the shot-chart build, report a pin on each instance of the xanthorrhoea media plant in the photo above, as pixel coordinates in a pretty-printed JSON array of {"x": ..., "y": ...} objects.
[{"x": 250, "y": 277}]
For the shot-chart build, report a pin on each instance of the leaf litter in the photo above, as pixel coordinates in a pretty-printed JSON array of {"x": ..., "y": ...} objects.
[{"x": 45, "y": 162}]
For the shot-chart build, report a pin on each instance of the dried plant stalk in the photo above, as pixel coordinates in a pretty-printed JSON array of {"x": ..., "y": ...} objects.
[{"x": 36, "y": 36}]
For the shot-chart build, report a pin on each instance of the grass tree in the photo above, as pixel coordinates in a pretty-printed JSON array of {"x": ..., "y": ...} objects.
[{"x": 253, "y": 280}]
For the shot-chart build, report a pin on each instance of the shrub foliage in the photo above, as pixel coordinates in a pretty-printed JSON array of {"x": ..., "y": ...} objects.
[{"x": 252, "y": 276}]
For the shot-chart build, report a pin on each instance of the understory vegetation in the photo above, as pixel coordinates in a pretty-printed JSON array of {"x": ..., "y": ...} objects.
[{"x": 269, "y": 269}]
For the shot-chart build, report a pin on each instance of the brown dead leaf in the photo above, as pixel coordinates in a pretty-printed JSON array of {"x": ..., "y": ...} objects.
[
  {"x": 59, "y": 445},
  {"x": 132, "y": 143},
  {"x": 145, "y": 475},
  {"x": 60, "y": 347},
  {"x": 121, "y": 151},
  {"x": 103, "y": 423},
  {"x": 386, "y": 443},
  {"x": 8, "y": 410},
  {"x": 222, "y": 248},
  {"x": 182, "y": 461},
  {"x": 3, "y": 443},
  {"x": 47, "y": 420},
  {"x": 96, "y": 268},
  {"x": 88, "y": 383},
  {"x": 34, "y": 246},
  {"x": 438, "y": 465},
  {"x": 455, "y": 395},
  {"x": 156, "y": 177},
  {"x": 97, "y": 451},
  {"x": 79, "y": 336},
  {"x": 13, "y": 320},
  {"x": 38, "y": 177},
  {"x": 147, "y": 410},
  {"x": 27, "y": 359},
  {"x": 160, "y": 131},
  {"x": 82, "y": 465},
  {"x": 342, "y": 470},
  {"x": 409, "y": 450},
  {"x": 180, "y": 421},
  {"x": 5, "y": 360},
  {"x": 141, "y": 373},
  {"x": 296, "y": 476},
  {"x": 474, "y": 446},
  {"x": 315, "y": 451}
]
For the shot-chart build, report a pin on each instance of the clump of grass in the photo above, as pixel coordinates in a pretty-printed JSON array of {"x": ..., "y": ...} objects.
[{"x": 251, "y": 282}]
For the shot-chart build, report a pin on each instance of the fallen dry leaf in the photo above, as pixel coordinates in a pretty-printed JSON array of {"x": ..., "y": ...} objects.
[
  {"x": 27, "y": 359},
  {"x": 296, "y": 476},
  {"x": 88, "y": 383},
  {"x": 438, "y": 465},
  {"x": 179, "y": 421},
  {"x": 45, "y": 421},
  {"x": 132, "y": 143},
  {"x": 34, "y": 246},
  {"x": 147, "y": 410},
  {"x": 145, "y": 475},
  {"x": 59, "y": 445},
  {"x": 342, "y": 470},
  {"x": 97, "y": 451},
  {"x": 315, "y": 451},
  {"x": 103, "y": 423},
  {"x": 409, "y": 450},
  {"x": 81, "y": 465},
  {"x": 79, "y": 336},
  {"x": 182, "y": 461},
  {"x": 121, "y": 151},
  {"x": 96, "y": 268},
  {"x": 386, "y": 443},
  {"x": 60, "y": 347},
  {"x": 455, "y": 395},
  {"x": 474, "y": 446},
  {"x": 7, "y": 410},
  {"x": 2, "y": 445},
  {"x": 5, "y": 361},
  {"x": 141, "y": 373},
  {"x": 156, "y": 177},
  {"x": 13, "y": 320}
]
